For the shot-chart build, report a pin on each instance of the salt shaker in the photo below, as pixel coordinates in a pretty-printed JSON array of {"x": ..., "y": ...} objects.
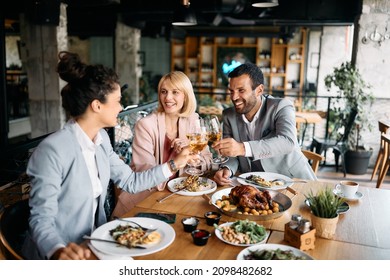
[{"x": 295, "y": 220}]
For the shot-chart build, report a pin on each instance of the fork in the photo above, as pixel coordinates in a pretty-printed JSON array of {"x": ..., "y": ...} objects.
[
  {"x": 137, "y": 224},
  {"x": 112, "y": 241}
]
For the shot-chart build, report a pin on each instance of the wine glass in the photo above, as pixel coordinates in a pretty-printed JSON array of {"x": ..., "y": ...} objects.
[
  {"x": 215, "y": 134},
  {"x": 197, "y": 137}
]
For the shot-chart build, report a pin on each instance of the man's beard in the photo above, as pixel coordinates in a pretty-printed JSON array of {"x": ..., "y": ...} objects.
[{"x": 248, "y": 106}]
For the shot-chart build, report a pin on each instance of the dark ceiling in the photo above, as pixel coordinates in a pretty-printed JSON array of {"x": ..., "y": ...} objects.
[{"x": 98, "y": 17}]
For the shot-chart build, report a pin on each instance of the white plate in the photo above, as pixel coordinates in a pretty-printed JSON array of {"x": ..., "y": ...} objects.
[
  {"x": 166, "y": 231},
  {"x": 219, "y": 235},
  {"x": 358, "y": 195},
  {"x": 270, "y": 246},
  {"x": 212, "y": 186},
  {"x": 269, "y": 176}
]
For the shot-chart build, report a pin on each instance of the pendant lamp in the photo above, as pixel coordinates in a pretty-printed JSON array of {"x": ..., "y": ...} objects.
[{"x": 184, "y": 15}]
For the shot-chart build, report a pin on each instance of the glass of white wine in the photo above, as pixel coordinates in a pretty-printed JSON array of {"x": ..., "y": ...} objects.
[
  {"x": 215, "y": 134},
  {"x": 198, "y": 140}
]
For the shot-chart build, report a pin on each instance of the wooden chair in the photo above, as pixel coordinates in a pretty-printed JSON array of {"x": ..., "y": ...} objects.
[
  {"x": 384, "y": 129},
  {"x": 386, "y": 160},
  {"x": 314, "y": 158},
  {"x": 13, "y": 228}
]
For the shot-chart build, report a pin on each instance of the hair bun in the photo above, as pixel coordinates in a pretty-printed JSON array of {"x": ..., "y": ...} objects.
[{"x": 70, "y": 68}]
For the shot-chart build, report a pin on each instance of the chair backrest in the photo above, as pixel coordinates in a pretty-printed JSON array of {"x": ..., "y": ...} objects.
[
  {"x": 348, "y": 127},
  {"x": 385, "y": 138},
  {"x": 383, "y": 127},
  {"x": 13, "y": 228},
  {"x": 210, "y": 110},
  {"x": 314, "y": 158}
]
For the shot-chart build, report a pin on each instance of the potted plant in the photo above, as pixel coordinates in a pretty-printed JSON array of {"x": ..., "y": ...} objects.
[
  {"x": 354, "y": 95},
  {"x": 324, "y": 211}
]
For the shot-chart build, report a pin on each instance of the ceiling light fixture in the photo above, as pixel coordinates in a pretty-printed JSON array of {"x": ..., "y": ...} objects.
[
  {"x": 184, "y": 15},
  {"x": 265, "y": 3}
]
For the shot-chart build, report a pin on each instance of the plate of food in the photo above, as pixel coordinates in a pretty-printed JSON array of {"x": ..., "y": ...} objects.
[
  {"x": 252, "y": 203},
  {"x": 241, "y": 233},
  {"x": 192, "y": 185},
  {"x": 131, "y": 236},
  {"x": 272, "y": 252},
  {"x": 265, "y": 180}
]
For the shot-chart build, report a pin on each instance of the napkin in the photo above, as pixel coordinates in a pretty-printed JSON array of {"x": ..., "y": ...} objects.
[{"x": 104, "y": 256}]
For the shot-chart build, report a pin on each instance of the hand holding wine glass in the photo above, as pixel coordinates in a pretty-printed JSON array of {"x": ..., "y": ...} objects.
[
  {"x": 215, "y": 134},
  {"x": 197, "y": 137}
]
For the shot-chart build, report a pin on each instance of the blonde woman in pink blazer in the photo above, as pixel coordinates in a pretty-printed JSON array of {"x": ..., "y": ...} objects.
[{"x": 161, "y": 135}]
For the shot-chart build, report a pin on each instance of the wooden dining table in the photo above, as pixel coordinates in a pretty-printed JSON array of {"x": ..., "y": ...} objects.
[
  {"x": 362, "y": 232},
  {"x": 307, "y": 117}
]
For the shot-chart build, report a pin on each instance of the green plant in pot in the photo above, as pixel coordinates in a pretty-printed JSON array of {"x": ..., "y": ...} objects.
[
  {"x": 354, "y": 98},
  {"x": 324, "y": 208}
]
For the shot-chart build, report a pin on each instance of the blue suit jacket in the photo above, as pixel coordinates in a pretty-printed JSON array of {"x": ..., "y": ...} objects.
[
  {"x": 61, "y": 197},
  {"x": 276, "y": 146}
]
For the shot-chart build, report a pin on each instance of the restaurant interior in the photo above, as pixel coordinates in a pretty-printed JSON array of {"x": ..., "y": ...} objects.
[{"x": 298, "y": 44}]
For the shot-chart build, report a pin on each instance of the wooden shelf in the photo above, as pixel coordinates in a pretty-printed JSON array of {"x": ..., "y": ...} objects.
[{"x": 282, "y": 63}]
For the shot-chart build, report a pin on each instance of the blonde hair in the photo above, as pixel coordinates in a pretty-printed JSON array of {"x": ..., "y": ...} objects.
[{"x": 180, "y": 81}]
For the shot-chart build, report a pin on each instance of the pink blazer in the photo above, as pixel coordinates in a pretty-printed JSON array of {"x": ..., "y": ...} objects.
[
  {"x": 147, "y": 151},
  {"x": 149, "y": 138}
]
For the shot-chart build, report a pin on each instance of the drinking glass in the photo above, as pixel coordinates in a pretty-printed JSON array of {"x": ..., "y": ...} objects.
[
  {"x": 215, "y": 134},
  {"x": 197, "y": 137}
]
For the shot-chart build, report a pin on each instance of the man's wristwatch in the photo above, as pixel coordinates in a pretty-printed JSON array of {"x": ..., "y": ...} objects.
[{"x": 172, "y": 166}]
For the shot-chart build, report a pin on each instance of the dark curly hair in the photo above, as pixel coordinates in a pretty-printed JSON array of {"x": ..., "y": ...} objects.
[
  {"x": 252, "y": 70},
  {"x": 86, "y": 83}
]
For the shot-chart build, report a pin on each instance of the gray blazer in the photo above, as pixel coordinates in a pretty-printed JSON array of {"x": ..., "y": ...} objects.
[
  {"x": 277, "y": 147},
  {"x": 61, "y": 198}
]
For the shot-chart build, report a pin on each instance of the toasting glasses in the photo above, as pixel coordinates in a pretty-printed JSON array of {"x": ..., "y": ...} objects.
[
  {"x": 215, "y": 134},
  {"x": 197, "y": 137}
]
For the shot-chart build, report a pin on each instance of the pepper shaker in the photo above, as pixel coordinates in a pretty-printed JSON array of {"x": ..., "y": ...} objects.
[{"x": 304, "y": 226}]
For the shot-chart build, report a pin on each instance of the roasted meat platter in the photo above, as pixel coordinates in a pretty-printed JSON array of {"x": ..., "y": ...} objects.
[{"x": 246, "y": 196}]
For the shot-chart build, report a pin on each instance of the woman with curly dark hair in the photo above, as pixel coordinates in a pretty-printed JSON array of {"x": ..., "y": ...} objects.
[{"x": 70, "y": 170}]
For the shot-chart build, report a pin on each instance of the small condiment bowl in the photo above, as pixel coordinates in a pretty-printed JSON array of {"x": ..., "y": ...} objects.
[
  {"x": 212, "y": 218},
  {"x": 200, "y": 236},
  {"x": 190, "y": 224}
]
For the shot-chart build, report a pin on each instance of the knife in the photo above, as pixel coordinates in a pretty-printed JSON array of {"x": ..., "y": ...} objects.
[
  {"x": 111, "y": 241},
  {"x": 178, "y": 190}
]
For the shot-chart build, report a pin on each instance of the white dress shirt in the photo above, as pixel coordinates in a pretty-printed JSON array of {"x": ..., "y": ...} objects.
[
  {"x": 250, "y": 127},
  {"x": 88, "y": 149}
]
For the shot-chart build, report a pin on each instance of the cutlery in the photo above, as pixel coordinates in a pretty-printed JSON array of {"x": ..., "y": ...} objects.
[
  {"x": 112, "y": 241},
  {"x": 178, "y": 190},
  {"x": 137, "y": 224},
  {"x": 285, "y": 182},
  {"x": 288, "y": 182},
  {"x": 257, "y": 184},
  {"x": 210, "y": 201}
]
